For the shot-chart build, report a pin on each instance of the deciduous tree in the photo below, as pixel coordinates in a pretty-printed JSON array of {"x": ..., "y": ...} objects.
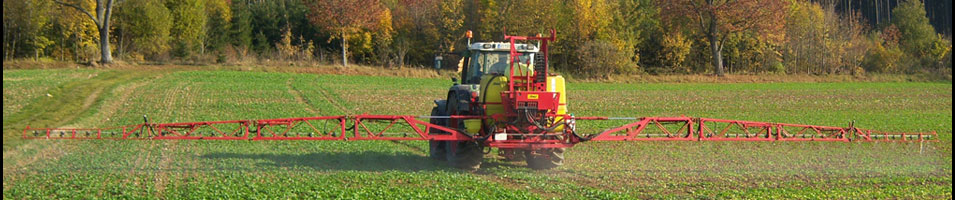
[
  {"x": 104, "y": 10},
  {"x": 917, "y": 33},
  {"x": 143, "y": 27},
  {"x": 189, "y": 27},
  {"x": 345, "y": 17},
  {"x": 717, "y": 19}
]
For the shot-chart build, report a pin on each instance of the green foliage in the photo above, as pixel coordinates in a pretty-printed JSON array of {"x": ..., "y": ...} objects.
[
  {"x": 634, "y": 22},
  {"x": 422, "y": 29},
  {"x": 143, "y": 27},
  {"x": 219, "y": 15},
  {"x": 917, "y": 34},
  {"x": 74, "y": 36},
  {"x": 287, "y": 50},
  {"x": 261, "y": 43},
  {"x": 488, "y": 21},
  {"x": 672, "y": 54},
  {"x": 597, "y": 48},
  {"x": 24, "y": 26},
  {"x": 746, "y": 53},
  {"x": 883, "y": 56},
  {"x": 189, "y": 30},
  {"x": 240, "y": 28},
  {"x": 807, "y": 37},
  {"x": 270, "y": 18},
  {"x": 599, "y": 59},
  {"x": 940, "y": 51},
  {"x": 820, "y": 41},
  {"x": 778, "y": 68}
]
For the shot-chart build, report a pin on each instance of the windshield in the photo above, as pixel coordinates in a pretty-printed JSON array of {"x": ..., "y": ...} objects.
[{"x": 493, "y": 62}]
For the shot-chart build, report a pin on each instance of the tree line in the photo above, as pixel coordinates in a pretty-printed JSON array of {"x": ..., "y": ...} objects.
[{"x": 596, "y": 38}]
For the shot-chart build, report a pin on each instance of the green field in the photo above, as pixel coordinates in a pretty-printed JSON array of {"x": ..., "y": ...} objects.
[{"x": 402, "y": 170}]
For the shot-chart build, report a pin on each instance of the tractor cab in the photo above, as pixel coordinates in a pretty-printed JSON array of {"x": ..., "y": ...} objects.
[{"x": 484, "y": 58}]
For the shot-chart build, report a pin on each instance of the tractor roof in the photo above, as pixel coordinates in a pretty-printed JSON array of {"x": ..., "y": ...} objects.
[{"x": 502, "y": 46}]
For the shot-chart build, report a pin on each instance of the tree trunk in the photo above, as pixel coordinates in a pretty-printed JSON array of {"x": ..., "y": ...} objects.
[
  {"x": 13, "y": 47},
  {"x": 344, "y": 50},
  {"x": 715, "y": 50},
  {"x": 104, "y": 44}
]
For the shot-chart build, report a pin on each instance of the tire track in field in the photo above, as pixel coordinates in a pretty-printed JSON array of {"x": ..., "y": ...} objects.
[
  {"x": 110, "y": 108},
  {"x": 325, "y": 95},
  {"x": 165, "y": 158},
  {"x": 61, "y": 102},
  {"x": 53, "y": 150},
  {"x": 298, "y": 96}
]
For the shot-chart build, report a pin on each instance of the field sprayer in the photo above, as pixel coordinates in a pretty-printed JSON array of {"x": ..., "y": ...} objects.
[{"x": 507, "y": 99}]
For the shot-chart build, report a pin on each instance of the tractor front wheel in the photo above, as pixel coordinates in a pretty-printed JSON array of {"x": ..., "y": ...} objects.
[{"x": 544, "y": 158}]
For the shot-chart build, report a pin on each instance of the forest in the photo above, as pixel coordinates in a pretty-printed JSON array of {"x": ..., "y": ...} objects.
[{"x": 595, "y": 38}]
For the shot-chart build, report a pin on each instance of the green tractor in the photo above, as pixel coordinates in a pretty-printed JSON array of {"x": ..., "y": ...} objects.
[{"x": 480, "y": 105}]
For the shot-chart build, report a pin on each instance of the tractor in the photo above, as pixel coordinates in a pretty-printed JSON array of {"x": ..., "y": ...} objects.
[{"x": 522, "y": 103}]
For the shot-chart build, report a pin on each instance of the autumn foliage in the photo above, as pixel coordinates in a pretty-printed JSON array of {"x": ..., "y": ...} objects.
[{"x": 596, "y": 38}]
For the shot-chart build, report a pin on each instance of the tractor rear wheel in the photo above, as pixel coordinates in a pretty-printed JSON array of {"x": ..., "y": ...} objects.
[
  {"x": 544, "y": 158},
  {"x": 464, "y": 155},
  {"x": 438, "y": 149},
  {"x": 461, "y": 154}
]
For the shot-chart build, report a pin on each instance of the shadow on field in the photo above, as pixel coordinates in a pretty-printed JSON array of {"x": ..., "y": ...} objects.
[{"x": 355, "y": 161}]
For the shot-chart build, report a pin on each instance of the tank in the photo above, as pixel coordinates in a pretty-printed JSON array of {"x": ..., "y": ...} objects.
[
  {"x": 490, "y": 95},
  {"x": 493, "y": 85},
  {"x": 556, "y": 84}
]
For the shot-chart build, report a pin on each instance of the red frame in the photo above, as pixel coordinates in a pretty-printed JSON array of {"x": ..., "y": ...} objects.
[
  {"x": 519, "y": 137},
  {"x": 421, "y": 130}
]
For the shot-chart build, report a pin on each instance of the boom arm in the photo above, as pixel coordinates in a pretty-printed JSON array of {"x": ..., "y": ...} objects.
[{"x": 357, "y": 128}]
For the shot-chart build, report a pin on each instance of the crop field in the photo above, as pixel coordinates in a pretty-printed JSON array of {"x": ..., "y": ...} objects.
[{"x": 35, "y": 169}]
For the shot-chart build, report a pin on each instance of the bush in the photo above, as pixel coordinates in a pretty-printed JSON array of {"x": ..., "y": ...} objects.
[
  {"x": 674, "y": 52},
  {"x": 882, "y": 58},
  {"x": 778, "y": 68},
  {"x": 917, "y": 34},
  {"x": 597, "y": 58}
]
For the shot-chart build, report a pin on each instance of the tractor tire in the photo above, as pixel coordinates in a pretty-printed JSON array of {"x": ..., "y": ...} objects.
[
  {"x": 464, "y": 155},
  {"x": 544, "y": 158},
  {"x": 438, "y": 149}
]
